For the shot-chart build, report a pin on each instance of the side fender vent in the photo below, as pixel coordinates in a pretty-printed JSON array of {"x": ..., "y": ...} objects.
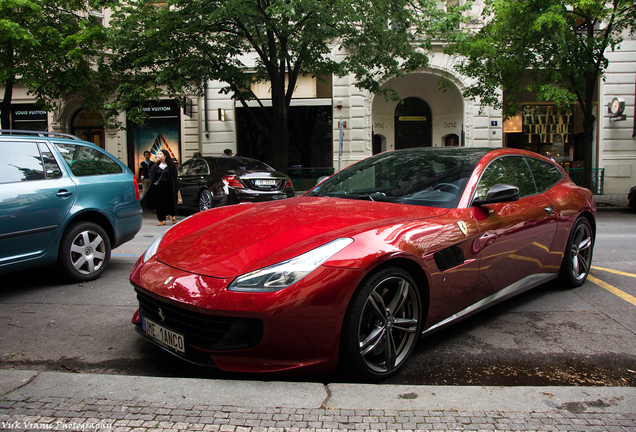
[{"x": 449, "y": 258}]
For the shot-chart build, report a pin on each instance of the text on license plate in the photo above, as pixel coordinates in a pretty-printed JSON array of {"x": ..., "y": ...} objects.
[
  {"x": 265, "y": 182},
  {"x": 163, "y": 335}
]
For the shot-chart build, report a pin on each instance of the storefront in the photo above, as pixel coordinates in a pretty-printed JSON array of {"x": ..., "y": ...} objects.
[
  {"x": 28, "y": 117},
  {"x": 547, "y": 130},
  {"x": 162, "y": 130}
]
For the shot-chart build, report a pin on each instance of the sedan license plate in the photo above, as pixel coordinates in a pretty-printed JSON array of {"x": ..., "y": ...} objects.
[
  {"x": 166, "y": 337},
  {"x": 265, "y": 182}
]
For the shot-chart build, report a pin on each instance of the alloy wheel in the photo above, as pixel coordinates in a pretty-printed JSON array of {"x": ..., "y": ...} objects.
[
  {"x": 88, "y": 252},
  {"x": 581, "y": 252},
  {"x": 388, "y": 324}
]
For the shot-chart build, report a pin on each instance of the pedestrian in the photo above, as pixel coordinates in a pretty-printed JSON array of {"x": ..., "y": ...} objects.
[
  {"x": 163, "y": 189},
  {"x": 228, "y": 152},
  {"x": 144, "y": 172}
]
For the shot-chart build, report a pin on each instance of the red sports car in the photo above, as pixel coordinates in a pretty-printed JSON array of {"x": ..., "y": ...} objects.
[{"x": 355, "y": 271}]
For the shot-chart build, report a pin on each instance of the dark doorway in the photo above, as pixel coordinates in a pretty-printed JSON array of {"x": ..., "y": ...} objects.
[
  {"x": 310, "y": 137},
  {"x": 89, "y": 126},
  {"x": 413, "y": 124}
]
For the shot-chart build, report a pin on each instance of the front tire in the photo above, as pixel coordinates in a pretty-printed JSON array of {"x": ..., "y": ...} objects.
[
  {"x": 382, "y": 324},
  {"x": 84, "y": 251},
  {"x": 577, "y": 258}
]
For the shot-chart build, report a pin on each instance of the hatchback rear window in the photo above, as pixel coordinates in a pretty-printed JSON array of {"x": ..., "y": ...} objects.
[{"x": 86, "y": 161}]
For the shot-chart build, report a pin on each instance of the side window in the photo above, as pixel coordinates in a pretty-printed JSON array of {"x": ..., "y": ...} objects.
[
  {"x": 511, "y": 170},
  {"x": 51, "y": 168},
  {"x": 21, "y": 161},
  {"x": 199, "y": 167},
  {"x": 86, "y": 161},
  {"x": 545, "y": 174},
  {"x": 183, "y": 169}
]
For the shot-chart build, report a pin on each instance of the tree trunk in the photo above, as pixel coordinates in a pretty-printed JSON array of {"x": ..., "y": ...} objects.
[
  {"x": 588, "y": 138},
  {"x": 280, "y": 129},
  {"x": 5, "y": 105}
]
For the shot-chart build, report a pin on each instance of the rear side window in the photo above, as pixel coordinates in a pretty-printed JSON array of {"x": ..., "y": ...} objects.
[
  {"x": 86, "y": 161},
  {"x": 545, "y": 174},
  {"x": 21, "y": 161},
  {"x": 51, "y": 168},
  {"x": 199, "y": 167}
]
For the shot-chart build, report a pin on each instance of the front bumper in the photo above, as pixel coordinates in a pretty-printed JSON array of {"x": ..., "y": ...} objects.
[{"x": 295, "y": 328}]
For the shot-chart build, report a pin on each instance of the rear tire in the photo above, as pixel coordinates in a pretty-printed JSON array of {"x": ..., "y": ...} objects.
[
  {"x": 577, "y": 258},
  {"x": 205, "y": 200},
  {"x": 84, "y": 251},
  {"x": 382, "y": 324}
]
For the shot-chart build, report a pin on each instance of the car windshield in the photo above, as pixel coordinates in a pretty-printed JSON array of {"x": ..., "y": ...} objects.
[
  {"x": 241, "y": 164},
  {"x": 433, "y": 177}
]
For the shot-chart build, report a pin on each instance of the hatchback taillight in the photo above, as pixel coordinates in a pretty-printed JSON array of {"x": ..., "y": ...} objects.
[
  {"x": 136, "y": 188},
  {"x": 233, "y": 182}
]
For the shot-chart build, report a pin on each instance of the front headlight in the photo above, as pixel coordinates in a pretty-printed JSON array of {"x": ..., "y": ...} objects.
[
  {"x": 152, "y": 249},
  {"x": 286, "y": 273}
]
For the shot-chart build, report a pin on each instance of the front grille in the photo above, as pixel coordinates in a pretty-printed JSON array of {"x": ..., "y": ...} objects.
[{"x": 202, "y": 330}]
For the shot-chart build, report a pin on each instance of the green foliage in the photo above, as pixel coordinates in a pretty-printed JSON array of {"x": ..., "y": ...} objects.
[
  {"x": 559, "y": 45},
  {"x": 175, "y": 47},
  {"x": 552, "y": 48},
  {"x": 52, "y": 47}
]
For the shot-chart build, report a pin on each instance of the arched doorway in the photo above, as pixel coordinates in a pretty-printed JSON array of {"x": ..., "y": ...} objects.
[
  {"x": 413, "y": 124},
  {"x": 89, "y": 126}
]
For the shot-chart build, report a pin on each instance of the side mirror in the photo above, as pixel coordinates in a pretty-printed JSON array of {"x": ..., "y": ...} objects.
[{"x": 499, "y": 193}]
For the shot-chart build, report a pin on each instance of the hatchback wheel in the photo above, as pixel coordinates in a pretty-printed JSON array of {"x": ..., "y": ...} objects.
[
  {"x": 84, "y": 251},
  {"x": 577, "y": 258},
  {"x": 382, "y": 325},
  {"x": 205, "y": 200}
]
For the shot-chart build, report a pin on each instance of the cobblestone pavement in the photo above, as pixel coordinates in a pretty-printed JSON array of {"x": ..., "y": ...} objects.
[{"x": 61, "y": 413}]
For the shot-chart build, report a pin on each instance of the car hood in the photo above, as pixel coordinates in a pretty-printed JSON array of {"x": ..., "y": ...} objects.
[{"x": 233, "y": 240}]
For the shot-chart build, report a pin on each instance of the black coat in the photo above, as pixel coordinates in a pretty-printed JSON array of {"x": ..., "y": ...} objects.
[{"x": 148, "y": 202}]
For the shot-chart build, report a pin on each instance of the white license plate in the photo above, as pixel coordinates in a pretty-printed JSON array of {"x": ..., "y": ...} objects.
[
  {"x": 265, "y": 182},
  {"x": 164, "y": 336}
]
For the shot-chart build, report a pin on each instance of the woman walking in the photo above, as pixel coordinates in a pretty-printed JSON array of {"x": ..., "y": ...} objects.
[{"x": 162, "y": 193}]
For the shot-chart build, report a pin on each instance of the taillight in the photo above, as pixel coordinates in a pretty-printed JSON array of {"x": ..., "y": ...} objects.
[
  {"x": 288, "y": 184},
  {"x": 233, "y": 182},
  {"x": 136, "y": 188}
]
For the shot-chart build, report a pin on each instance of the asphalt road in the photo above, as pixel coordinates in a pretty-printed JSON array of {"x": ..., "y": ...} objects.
[{"x": 548, "y": 336}]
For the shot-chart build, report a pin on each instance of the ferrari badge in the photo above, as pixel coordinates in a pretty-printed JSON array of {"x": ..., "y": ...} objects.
[{"x": 462, "y": 226}]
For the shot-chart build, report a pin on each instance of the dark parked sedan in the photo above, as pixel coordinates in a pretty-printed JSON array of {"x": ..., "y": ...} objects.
[{"x": 207, "y": 182}]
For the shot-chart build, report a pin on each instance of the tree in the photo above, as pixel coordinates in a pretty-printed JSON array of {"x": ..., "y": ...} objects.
[
  {"x": 560, "y": 45},
  {"x": 51, "y": 47},
  {"x": 173, "y": 48}
]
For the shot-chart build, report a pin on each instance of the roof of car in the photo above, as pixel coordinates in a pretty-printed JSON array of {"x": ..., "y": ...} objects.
[{"x": 28, "y": 133}]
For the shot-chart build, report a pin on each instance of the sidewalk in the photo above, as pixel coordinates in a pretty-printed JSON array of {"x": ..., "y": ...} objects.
[
  {"x": 611, "y": 200},
  {"x": 79, "y": 402}
]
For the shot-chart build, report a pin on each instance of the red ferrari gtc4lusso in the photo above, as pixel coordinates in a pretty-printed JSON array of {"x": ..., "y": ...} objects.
[{"x": 356, "y": 270}]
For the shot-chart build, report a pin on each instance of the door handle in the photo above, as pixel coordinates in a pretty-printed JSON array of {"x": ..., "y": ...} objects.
[
  {"x": 63, "y": 193},
  {"x": 549, "y": 210}
]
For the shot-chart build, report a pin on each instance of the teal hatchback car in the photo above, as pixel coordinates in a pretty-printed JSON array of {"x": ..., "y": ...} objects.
[{"x": 64, "y": 201}]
